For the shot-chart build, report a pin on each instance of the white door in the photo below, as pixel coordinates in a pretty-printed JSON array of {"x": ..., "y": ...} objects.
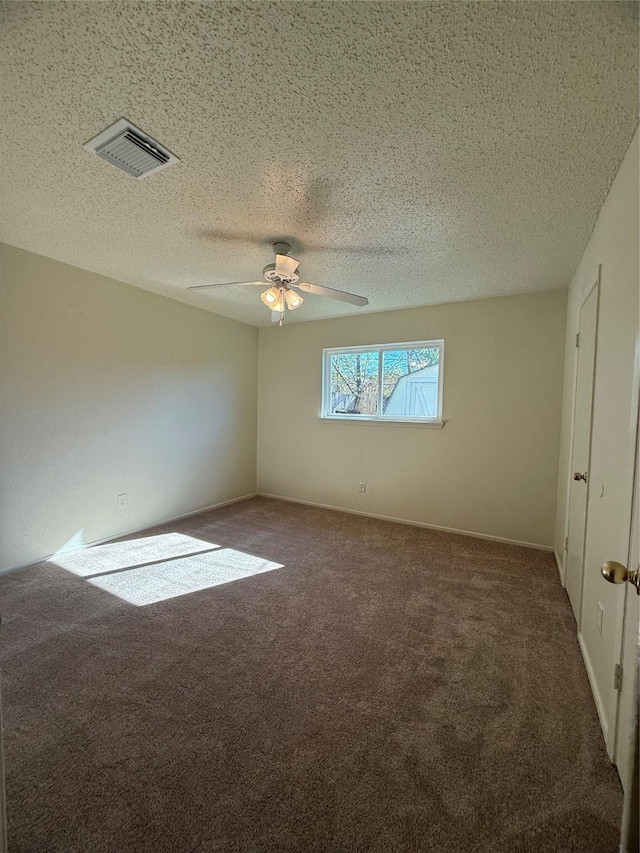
[
  {"x": 610, "y": 493},
  {"x": 625, "y": 746},
  {"x": 626, "y": 742},
  {"x": 579, "y": 485}
]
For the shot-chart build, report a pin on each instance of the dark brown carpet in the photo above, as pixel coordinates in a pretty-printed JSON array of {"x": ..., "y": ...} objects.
[{"x": 390, "y": 689}]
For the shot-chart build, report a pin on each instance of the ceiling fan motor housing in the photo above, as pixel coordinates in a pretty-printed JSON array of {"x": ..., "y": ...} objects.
[{"x": 269, "y": 273}]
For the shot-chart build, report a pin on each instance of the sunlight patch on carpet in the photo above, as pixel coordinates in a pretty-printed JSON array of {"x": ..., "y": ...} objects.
[
  {"x": 133, "y": 552},
  {"x": 150, "y": 584}
]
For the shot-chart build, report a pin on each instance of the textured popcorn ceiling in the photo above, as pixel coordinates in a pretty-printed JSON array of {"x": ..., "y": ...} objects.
[{"x": 464, "y": 149}]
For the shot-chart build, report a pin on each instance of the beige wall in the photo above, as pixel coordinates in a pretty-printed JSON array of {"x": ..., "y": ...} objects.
[
  {"x": 491, "y": 470},
  {"x": 614, "y": 244},
  {"x": 109, "y": 389}
]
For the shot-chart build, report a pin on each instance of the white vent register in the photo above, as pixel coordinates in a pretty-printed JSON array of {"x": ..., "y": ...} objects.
[{"x": 135, "y": 152}]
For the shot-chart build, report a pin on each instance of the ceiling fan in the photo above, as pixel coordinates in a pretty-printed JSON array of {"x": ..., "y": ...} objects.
[{"x": 283, "y": 278}]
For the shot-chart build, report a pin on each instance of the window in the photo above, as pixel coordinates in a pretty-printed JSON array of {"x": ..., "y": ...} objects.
[{"x": 389, "y": 382}]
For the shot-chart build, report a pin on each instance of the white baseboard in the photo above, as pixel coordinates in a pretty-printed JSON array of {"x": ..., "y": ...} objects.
[
  {"x": 394, "y": 519},
  {"x": 126, "y": 533},
  {"x": 409, "y": 521},
  {"x": 596, "y": 693}
]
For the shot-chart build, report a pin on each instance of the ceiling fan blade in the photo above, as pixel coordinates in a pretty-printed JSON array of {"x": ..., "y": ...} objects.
[
  {"x": 334, "y": 294},
  {"x": 286, "y": 266},
  {"x": 226, "y": 284}
]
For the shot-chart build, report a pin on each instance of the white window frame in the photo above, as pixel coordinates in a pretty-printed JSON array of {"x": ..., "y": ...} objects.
[{"x": 326, "y": 413}]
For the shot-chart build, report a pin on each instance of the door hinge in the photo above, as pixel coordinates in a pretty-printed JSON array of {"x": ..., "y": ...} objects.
[
  {"x": 578, "y": 339},
  {"x": 566, "y": 544},
  {"x": 617, "y": 676}
]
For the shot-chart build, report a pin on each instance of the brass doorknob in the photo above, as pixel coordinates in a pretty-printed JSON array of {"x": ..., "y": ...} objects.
[
  {"x": 578, "y": 476},
  {"x": 617, "y": 573}
]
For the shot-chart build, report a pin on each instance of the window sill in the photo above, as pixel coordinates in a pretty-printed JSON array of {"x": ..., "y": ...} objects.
[{"x": 380, "y": 422}]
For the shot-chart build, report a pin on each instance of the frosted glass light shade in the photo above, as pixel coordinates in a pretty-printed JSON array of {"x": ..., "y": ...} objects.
[
  {"x": 272, "y": 298},
  {"x": 294, "y": 300}
]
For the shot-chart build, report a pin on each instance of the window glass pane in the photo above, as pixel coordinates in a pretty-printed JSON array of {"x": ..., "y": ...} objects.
[
  {"x": 410, "y": 382},
  {"x": 354, "y": 383}
]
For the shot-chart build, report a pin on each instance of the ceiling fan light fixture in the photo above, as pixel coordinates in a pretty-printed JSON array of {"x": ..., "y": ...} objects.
[
  {"x": 272, "y": 298},
  {"x": 294, "y": 300}
]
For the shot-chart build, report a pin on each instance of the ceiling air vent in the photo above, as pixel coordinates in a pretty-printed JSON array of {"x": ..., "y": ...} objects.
[{"x": 126, "y": 146}]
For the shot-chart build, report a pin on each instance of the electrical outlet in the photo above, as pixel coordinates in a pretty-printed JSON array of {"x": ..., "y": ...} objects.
[
  {"x": 362, "y": 486},
  {"x": 123, "y": 501},
  {"x": 599, "y": 615}
]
